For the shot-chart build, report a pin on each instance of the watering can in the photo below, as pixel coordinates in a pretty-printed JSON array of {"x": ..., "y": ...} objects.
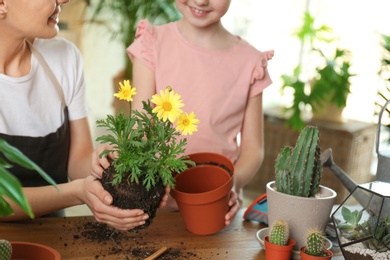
[{"x": 383, "y": 169}]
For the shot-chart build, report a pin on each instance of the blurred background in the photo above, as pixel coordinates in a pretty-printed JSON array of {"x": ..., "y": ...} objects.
[{"x": 357, "y": 25}]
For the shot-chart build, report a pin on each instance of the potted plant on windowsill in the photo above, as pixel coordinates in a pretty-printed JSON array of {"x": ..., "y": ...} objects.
[
  {"x": 279, "y": 245},
  {"x": 149, "y": 149},
  {"x": 315, "y": 246},
  {"x": 296, "y": 195},
  {"x": 321, "y": 82}
]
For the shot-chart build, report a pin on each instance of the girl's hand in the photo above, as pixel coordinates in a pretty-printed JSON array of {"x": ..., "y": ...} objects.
[
  {"x": 164, "y": 200},
  {"x": 98, "y": 164},
  {"x": 99, "y": 202},
  {"x": 234, "y": 205}
]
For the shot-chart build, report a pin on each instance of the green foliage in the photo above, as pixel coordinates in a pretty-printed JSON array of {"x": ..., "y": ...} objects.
[
  {"x": 376, "y": 229},
  {"x": 125, "y": 16},
  {"x": 9, "y": 185},
  {"x": 298, "y": 170},
  {"x": 327, "y": 84},
  {"x": 315, "y": 243},
  {"x": 279, "y": 233},
  {"x": 146, "y": 146}
]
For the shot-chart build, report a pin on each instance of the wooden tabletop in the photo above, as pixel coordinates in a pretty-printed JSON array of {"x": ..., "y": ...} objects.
[{"x": 84, "y": 238}]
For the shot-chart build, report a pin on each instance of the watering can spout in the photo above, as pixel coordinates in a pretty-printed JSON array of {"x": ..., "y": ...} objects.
[{"x": 327, "y": 161}]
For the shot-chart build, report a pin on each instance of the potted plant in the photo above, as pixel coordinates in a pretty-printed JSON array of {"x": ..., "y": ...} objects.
[
  {"x": 278, "y": 245},
  {"x": 315, "y": 246},
  {"x": 296, "y": 194},
  {"x": 363, "y": 227},
  {"x": 322, "y": 81},
  {"x": 11, "y": 187},
  {"x": 149, "y": 149}
]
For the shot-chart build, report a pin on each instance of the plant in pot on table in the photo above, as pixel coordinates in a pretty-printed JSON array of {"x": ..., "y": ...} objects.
[
  {"x": 149, "y": 150},
  {"x": 315, "y": 246},
  {"x": 278, "y": 245},
  {"x": 296, "y": 195},
  {"x": 364, "y": 236}
]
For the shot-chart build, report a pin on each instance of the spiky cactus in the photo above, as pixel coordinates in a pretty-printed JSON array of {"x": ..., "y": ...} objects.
[
  {"x": 298, "y": 170},
  {"x": 315, "y": 243},
  {"x": 5, "y": 250},
  {"x": 279, "y": 233}
]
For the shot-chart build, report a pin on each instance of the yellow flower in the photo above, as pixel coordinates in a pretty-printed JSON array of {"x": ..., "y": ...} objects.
[
  {"x": 168, "y": 105},
  {"x": 187, "y": 123},
  {"x": 126, "y": 92}
]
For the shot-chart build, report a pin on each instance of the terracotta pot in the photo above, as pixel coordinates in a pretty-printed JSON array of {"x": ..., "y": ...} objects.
[
  {"x": 273, "y": 252},
  {"x": 202, "y": 195},
  {"x": 33, "y": 251},
  {"x": 305, "y": 256},
  {"x": 299, "y": 212}
]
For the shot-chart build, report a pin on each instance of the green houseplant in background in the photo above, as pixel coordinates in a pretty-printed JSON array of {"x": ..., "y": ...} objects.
[
  {"x": 328, "y": 81},
  {"x": 125, "y": 15},
  {"x": 383, "y": 93}
]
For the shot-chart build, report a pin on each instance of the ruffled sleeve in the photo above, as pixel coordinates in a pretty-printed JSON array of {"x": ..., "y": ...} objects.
[
  {"x": 143, "y": 46},
  {"x": 260, "y": 78}
]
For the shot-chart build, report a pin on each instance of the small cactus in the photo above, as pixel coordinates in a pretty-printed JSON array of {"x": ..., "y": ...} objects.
[
  {"x": 298, "y": 170},
  {"x": 5, "y": 250},
  {"x": 279, "y": 233},
  {"x": 315, "y": 243}
]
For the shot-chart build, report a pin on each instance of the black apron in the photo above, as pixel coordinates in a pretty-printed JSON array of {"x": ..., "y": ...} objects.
[{"x": 50, "y": 152}]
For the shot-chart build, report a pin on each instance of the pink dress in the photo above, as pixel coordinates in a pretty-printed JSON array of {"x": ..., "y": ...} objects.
[{"x": 215, "y": 84}]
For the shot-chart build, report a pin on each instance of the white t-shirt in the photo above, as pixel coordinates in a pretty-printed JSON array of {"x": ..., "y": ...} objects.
[{"x": 30, "y": 105}]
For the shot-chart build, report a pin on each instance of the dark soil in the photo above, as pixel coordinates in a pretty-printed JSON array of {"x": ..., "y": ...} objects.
[
  {"x": 223, "y": 166},
  {"x": 131, "y": 195},
  {"x": 129, "y": 243}
]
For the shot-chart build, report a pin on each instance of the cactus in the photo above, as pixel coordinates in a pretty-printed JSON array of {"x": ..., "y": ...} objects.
[
  {"x": 279, "y": 233},
  {"x": 315, "y": 243},
  {"x": 298, "y": 170},
  {"x": 5, "y": 250}
]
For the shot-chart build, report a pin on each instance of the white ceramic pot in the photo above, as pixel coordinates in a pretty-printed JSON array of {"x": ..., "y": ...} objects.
[{"x": 299, "y": 212}]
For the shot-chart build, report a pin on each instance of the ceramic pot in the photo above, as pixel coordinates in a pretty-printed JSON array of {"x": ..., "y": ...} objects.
[
  {"x": 33, "y": 251},
  {"x": 305, "y": 256},
  {"x": 202, "y": 194},
  {"x": 273, "y": 251},
  {"x": 299, "y": 212}
]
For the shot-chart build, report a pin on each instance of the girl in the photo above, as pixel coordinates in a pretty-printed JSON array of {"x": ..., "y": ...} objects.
[{"x": 220, "y": 77}]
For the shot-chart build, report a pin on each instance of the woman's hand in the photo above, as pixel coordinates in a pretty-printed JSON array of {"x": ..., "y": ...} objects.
[
  {"x": 99, "y": 202},
  {"x": 234, "y": 206}
]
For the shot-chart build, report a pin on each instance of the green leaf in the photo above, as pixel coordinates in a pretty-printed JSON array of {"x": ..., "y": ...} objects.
[
  {"x": 14, "y": 155},
  {"x": 11, "y": 188}
]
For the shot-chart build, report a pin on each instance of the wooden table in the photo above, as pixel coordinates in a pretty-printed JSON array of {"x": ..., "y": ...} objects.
[{"x": 74, "y": 238}]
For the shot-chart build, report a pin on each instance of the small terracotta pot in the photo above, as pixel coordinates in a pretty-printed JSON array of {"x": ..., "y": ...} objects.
[
  {"x": 273, "y": 252},
  {"x": 202, "y": 195},
  {"x": 305, "y": 256},
  {"x": 33, "y": 251}
]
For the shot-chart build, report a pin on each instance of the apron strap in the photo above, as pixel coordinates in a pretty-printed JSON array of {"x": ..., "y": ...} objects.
[{"x": 48, "y": 71}]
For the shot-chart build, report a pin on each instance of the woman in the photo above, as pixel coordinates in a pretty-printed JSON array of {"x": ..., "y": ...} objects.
[{"x": 44, "y": 114}]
